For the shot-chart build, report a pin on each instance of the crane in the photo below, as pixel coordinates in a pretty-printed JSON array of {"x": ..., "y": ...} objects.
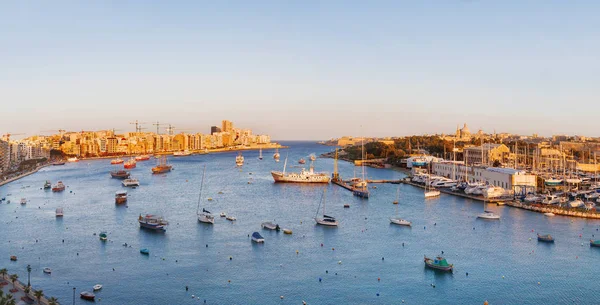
[
  {"x": 158, "y": 124},
  {"x": 7, "y": 135},
  {"x": 138, "y": 127}
]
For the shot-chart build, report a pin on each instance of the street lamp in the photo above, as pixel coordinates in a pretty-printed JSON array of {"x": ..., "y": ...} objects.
[
  {"x": 73, "y": 295},
  {"x": 28, "y": 275}
]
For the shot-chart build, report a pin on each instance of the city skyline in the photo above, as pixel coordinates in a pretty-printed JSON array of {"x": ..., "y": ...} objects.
[{"x": 310, "y": 72}]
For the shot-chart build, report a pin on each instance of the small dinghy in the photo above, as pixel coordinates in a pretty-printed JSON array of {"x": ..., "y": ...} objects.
[
  {"x": 145, "y": 251},
  {"x": 86, "y": 295},
  {"x": 270, "y": 226},
  {"x": 97, "y": 287},
  {"x": 223, "y": 214},
  {"x": 231, "y": 218},
  {"x": 287, "y": 231},
  {"x": 47, "y": 270},
  {"x": 545, "y": 238},
  {"x": 257, "y": 238}
]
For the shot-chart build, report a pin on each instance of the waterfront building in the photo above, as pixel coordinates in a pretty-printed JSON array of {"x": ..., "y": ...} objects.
[
  {"x": 4, "y": 156},
  {"x": 507, "y": 178},
  {"x": 226, "y": 126},
  {"x": 214, "y": 129}
]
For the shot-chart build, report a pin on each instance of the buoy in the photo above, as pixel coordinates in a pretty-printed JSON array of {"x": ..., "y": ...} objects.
[
  {"x": 230, "y": 258},
  {"x": 321, "y": 245},
  {"x": 228, "y": 281},
  {"x": 332, "y": 248},
  {"x": 503, "y": 276},
  {"x": 539, "y": 283},
  {"x": 339, "y": 262},
  {"x": 326, "y": 271},
  {"x": 467, "y": 274},
  {"x": 281, "y": 297},
  {"x": 382, "y": 258},
  {"x": 379, "y": 279},
  {"x": 378, "y": 294},
  {"x": 297, "y": 251},
  {"x": 320, "y": 279}
]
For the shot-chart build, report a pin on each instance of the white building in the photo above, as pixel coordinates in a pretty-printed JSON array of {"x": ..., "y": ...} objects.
[{"x": 506, "y": 178}]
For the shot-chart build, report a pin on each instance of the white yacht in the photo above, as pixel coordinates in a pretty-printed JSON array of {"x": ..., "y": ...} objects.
[
  {"x": 400, "y": 221},
  {"x": 304, "y": 176},
  {"x": 488, "y": 215},
  {"x": 130, "y": 182},
  {"x": 206, "y": 217},
  {"x": 576, "y": 203},
  {"x": 239, "y": 160},
  {"x": 551, "y": 199},
  {"x": 493, "y": 192},
  {"x": 325, "y": 220},
  {"x": 182, "y": 153}
]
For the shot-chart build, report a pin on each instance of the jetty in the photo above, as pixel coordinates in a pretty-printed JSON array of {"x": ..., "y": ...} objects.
[{"x": 542, "y": 208}]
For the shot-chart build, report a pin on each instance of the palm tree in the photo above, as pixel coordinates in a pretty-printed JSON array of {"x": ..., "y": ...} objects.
[
  {"x": 3, "y": 272},
  {"x": 52, "y": 301},
  {"x": 13, "y": 279},
  {"x": 6, "y": 299},
  {"x": 38, "y": 295}
]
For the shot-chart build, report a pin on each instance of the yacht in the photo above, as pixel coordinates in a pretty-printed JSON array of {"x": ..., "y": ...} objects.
[
  {"x": 488, "y": 215},
  {"x": 493, "y": 192},
  {"x": 206, "y": 217},
  {"x": 130, "y": 182},
  {"x": 576, "y": 203},
  {"x": 182, "y": 153},
  {"x": 131, "y": 163},
  {"x": 239, "y": 159},
  {"x": 58, "y": 187},
  {"x": 400, "y": 221},
  {"x": 304, "y": 176},
  {"x": 551, "y": 199},
  {"x": 553, "y": 182},
  {"x": 152, "y": 222},
  {"x": 325, "y": 220},
  {"x": 444, "y": 183},
  {"x": 533, "y": 198},
  {"x": 142, "y": 158},
  {"x": 117, "y": 161},
  {"x": 74, "y": 159}
]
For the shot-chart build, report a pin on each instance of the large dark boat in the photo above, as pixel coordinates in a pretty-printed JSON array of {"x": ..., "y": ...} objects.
[
  {"x": 545, "y": 238},
  {"x": 120, "y": 174},
  {"x": 87, "y": 296}
]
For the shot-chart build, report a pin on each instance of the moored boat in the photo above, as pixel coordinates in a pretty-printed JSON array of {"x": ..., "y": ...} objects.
[
  {"x": 58, "y": 187},
  {"x": 117, "y": 161},
  {"x": 58, "y": 163},
  {"x": 231, "y": 218},
  {"x": 152, "y": 222},
  {"x": 325, "y": 220},
  {"x": 304, "y": 176},
  {"x": 239, "y": 160},
  {"x": 142, "y": 158},
  {"x": 545, "y": 238},
  {"x": 302, "y": 161},
  {"x": 595, "y": 243},
  {"x": 120, "y": 197},
  {"x": 120, "y": 174},
  {"x": 438, "y": 263},
  {"x": 47, "y": 270},
  {"x": 488, "y": 215},
  {"x": 74, "y": 159},
  {"x": 97, "y": 287},
  {"x": 549, "y": 214},
  {"x": 47, "y": 185},
  {"x": 162, "y": 166},
  {"x": 130, "y": 182},
  {"x": 13, "y": 258},
  {"x": 276, "y": 155},
  {"x": 23, "y": 201},
  {"x": 131, "y": 163},
  {"x": 270, "y": 226},
  {"x": 86, "y": 295},
  {"x": 257, "y": 238},
  {"x": 103, "y": 236},
  {"x": 182, "y": 153},
  {"x": 400, "y": 221},
  {"x": 206, "y": 217},
  {"x": 59, "y": 212},
  {"x": 145, "y": 251}
]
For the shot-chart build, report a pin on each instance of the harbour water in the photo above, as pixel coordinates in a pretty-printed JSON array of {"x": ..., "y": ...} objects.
[{"x": 363, "y": 261}]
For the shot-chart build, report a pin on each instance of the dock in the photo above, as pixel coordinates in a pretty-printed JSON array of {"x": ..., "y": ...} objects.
[
  {"x": 555, "y": 210},
  {"x": 463, "y": 195}
]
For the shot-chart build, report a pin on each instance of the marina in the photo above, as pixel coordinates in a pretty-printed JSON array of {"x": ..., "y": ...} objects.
[{"x": 348, "y": 262}]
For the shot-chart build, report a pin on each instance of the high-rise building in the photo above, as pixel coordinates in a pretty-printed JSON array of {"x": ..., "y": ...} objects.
[
  {"x": 214, "y": 129},
  {"x": 111, "y": 145},
  {"x": 4, "y": 156},
  {"x": 226, "y": 126}
]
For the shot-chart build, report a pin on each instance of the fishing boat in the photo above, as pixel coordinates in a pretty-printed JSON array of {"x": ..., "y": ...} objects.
[
  {"x": 276, "y": 155},
  {"x": 182, "y": 153},
  {"x": 545, "y": 238},
  {"x": 231, "y": 218},
  {"x": 120, "y": 197},
  {"x": 103, "y": 236},
  {"x": 302, "y": 161},
  {"x": 59, "y": 212},
  {"x": 595, "y": 243},
  {"x": 47, "y": 185},
  {"x": 131, "y": 163},
  {"x": 120, "y": 174},
  {"x": 74, "y": 159},
  {"x": 257, "y": 238},
  {"x": 23, "y": 201},
  {"x": 86, "y": 295},
  {"x": 47, "y": 270},
  {"x": 142, "y": 158},
  {"x": 116, "y": 161},
  {"x": 97, "y": 287},
  {"x": 152, "y": 222},
  {"x": 438, "y": 263},
  {"x": 260, "y": 156},
  {"x": 270, "y": 226},
  {"x": 58, "y": 187},
  {"x": 145, "y": 251},
  {"x": 206, "y": 216},
  {"x": 325, "y": 220},
  {"x": 304, "y": 176},
  {"x": 162, "y": 166},
  {"x": 239, "y": 159},
  {"x": 130, "y": 182}
]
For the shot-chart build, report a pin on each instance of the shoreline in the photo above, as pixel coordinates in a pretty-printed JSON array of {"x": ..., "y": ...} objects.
[
  {"x": 21, "y": 291},
  {"x": 7, "y": 181}
]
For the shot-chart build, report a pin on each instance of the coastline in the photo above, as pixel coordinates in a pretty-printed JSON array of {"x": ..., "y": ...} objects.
[
  {"x": 18, "y": 295},
  {"x": 7, "y": 181}
]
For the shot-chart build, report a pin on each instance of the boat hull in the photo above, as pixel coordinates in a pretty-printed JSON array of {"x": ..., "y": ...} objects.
[
  {"x": 323, "y": 222},
  {"x": 400, "y": 222},
  {"x": 161, "y": 169},
  {"x": 299, "y": 178},
  {"x": 153, "y": 227}
]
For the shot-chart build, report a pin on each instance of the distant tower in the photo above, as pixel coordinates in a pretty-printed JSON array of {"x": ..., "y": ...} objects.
[{"x": 226, "y": 126}]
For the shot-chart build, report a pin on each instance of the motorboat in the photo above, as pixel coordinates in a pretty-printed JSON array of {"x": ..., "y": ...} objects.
[
  {"x": 182, "y": 153},
  {"x": 142, "y": 158},
  {"x": 493, "y": 192},
  {"x": 58, "y": 187},
  {"x": 576, "y": 203},
  {"x": 23, "y": 201},
  {"x": 86, "y": 295},
  {"x": 287, "y": 231},
  {"x": 145, "y": 251},
  {"x": 438, "y": 263},
  {"x": 432, "y": 193},
  {"x": 59, "y": 212},
  {"x": 553, "y": 182},
  {"x": 97, "y": 287},
  {"x": 549, "y": 214},
  {"x": 74, "y": 159},
  {"x": 533, "y": 198},
  {"x": 13, "y": 258},
  {"x": 130, "y": 182},
  {"x": 152, "y": 222},
  {"x": 444, "y": 183},
  {"x": 116, "y": 161},
  {"x": 231, "y": 218},
  {"x": 47, "y": 185},
  {"x": 47, "y": 270},
  {"x": 131, "y": 163},
  {"x": 400, "y": 221},
  {"x": 594, "y": 243},
  {"x": 312, "y": 157},
  {"x": 103, "y": 236},
  {"x": 239, "y": 159},
  {"x": 545, "y": 238},
  {"x": 223, "y": 214},
  {"x": 120, "y": 174},
  {"x": 120, "y": 197},
  {"x": 257, "y": 238},
  {"x": 551, "y": 199},
  {"x": 270, "y": 226},
  {"x": 301, "y": 161}
]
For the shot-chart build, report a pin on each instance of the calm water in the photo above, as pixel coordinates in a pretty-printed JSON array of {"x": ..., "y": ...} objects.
[{"x": 503, "y": 259}]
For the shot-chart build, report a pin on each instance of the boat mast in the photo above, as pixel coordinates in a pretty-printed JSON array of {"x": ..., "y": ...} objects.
[
  {"x": 321, "y": 202},
  {"x": 200, "y": 195},
  {"x": 285, "y": 164}
]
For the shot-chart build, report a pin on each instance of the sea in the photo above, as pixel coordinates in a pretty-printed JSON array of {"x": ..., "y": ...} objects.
[{"x": 365, "y": 260}]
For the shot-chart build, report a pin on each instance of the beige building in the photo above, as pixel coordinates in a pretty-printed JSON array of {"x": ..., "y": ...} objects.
[
  {"x": 506, "y": 178},
  {"x": 489, "y": 152}
]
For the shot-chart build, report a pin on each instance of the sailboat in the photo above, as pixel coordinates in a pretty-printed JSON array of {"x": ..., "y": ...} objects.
[
  {"x": 162, "y": 166},
  {"x": 399, "y": 221},
  {"x": 361, "y": 190},
  {"x": 429, "y": 190},
  {"x": 276, "y": 155},
  {"x": 325, "y": 220},
  {"x": 260, "y": 157},
  {"x": 488, "y": 214},
  {"x": 205, "y": 216}
]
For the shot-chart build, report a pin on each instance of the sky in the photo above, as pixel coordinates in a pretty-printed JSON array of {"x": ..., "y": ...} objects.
[{"x": 302, "y": 70}]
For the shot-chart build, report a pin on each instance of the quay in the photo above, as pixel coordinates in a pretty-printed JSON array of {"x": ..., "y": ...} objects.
[
  {"x": 463, "y": 195},
  {"x": 17, "y": 290},
  {"x": 554, "y": 210}
]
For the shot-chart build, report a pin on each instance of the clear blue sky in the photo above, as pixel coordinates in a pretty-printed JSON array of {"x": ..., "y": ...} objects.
[{"x": 302, "y": 69}]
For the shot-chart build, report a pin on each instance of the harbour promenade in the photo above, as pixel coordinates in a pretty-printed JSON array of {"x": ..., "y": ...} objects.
[
  {"x": 17, "y": 290},
  {"x": 9, "y": 180}
]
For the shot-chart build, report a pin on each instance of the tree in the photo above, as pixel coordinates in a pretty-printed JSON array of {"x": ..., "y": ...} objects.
[
  {"x": 6, "y": 299},
  {"x": 38, "y": 295},
  {"x": 13, "y": 279},
  {"x": 52, "y": 301},
  {"x": 3, "y": 273}
]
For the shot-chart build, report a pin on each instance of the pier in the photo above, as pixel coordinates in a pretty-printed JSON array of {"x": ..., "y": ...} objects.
[
  {"x": 463, "y": 195},
  {"x": 554, "y": 210}
]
